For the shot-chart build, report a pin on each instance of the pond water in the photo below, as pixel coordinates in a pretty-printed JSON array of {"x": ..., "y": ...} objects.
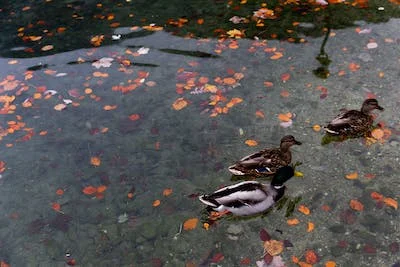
[{"x": 112, "y": 126}]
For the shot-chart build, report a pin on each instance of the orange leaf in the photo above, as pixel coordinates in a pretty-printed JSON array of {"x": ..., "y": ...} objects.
[
  {"x": 156, "y": 203},
  {"x": 167, "y": 192},
  {"x": 330, "y": 264},
  {"x": 391, "y": 202},
  {"x": 276, "y": 55},
  {"x": 293, "y": 221},
  {"x": 56, "y": 206},
  {"x": 285, "y": 77},
  {"x": 285, "y": 117},
  {"x": 353, "y": 66},
  {"x": 130, "y": 195},
  {"x": 109, "y": 107},
  {"x": 101, "y": 188},
  {"x": 229, "y": 81},
  {"x": 304, "y": 264},
  {"x": 311, "y": 256},
  {"x": 134, "y": 117},
  {"x": 89, "y": 190},
  {"x": 285, "y": 93},
  {"x": 356, "y": 205},
  {"x": 377, "y": 196},
  {"x": 295, "y": 259},
  {"x": 190, "y": 224},
  {"x": 95, "y": 161},
  {"x": 268, "y": 84},
  {"x": 60, "y": 192},
  {"x": 316, "y": 128},
  {"x": 180, "y": 103},
  {"x": 260, "y": 114},
  {"x": 310, "y": 227},
  {"x": 251, "y": 142},
  {"x": 303, "y": 209},
  {"x": 377, "y": 134},
  {"x": 352, "y": 176}
]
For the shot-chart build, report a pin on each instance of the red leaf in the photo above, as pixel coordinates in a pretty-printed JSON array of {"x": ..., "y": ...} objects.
[
  {"x": 217, "y": 258},
  {"x": 264, "y": 236}
]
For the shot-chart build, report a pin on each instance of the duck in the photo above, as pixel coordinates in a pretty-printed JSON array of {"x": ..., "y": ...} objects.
[
  {"x": 354, "y": 123},
  {"x": 249, "y": 197},
  {"x": 266, "y": 161}
]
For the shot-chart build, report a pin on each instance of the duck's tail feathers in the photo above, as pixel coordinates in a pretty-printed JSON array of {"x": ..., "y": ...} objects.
[
  {"x": 209, "y": 201},
  {"x": 235, "y": 171}
]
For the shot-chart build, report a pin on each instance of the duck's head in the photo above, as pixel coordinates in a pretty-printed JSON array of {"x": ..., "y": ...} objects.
[
  {"x": 369, "y": 105},
  {"x": 288, "y": 141},
  {"x": 282, "y": 175}
]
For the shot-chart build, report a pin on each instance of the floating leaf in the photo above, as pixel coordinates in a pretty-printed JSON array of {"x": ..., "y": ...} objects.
[
  {"x": 109, "y": 107},
  {"x": 293, "y": 221},
  {"x": 217, "y": 258},
  {"x": 260, "y": 114},
  {"x": 353, "y": 66},
  {"x": 156, "y": 203},
  {"x": 273, "y": 247},
  {"x": 95, "y": 161},
  {"x": 60, "y": 192},
  {"x": 60, "y": 107},
  {"x": 47, "y": 47},
  {"x": 190, "y": 224},
  {"x": 352, "y": 176},
  {"x": 167, "y": 192},
  {"x": 229, "y": 81},
  {"x": 134, "y": 117},
  {"x": 264, "y": 236},
  {"x": 180, "y": 103},
  {"x": 101, "y": 188},
  {"x": 56, "y": 206},
  {"x": 356, "y": 205},
  {"x": 377, "y": 134},
  {"x": 285, "y": 93},
  {"x": 311, "y": 257},
  {"x": 390, "y": 202},
  {"x": 377, "y": 196},
  {"x": 89, "y": 190},
  {"x": 285, "y": 117},
  {"x": 303, "y": 209},
  {"x": 310, "y": 227},
  {"x": 251, "y": 142},
  {"x": 316, "y": 128},
  {"x": 330, "y": 264},
  {"x": 298, "y": 174},
  {"x": 285, "y": 77}
]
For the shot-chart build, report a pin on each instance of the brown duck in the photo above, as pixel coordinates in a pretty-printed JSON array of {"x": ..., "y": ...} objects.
[
  {"x": 354, "y": 123},
  {"x": 267, "y": 161}
]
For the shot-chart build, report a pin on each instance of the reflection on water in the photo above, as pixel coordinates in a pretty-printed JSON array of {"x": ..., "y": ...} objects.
[{"x": 105, "y": 149}]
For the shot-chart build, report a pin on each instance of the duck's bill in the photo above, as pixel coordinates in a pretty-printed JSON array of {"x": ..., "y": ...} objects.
[
  {"x": 297, "y": 142},
  {"x": 380, "y": 108}
]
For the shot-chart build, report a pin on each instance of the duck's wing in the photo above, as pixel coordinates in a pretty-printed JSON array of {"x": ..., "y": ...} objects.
[
  {"x": 242, "y": 194},
  {"x": 343, "y": 121},
  {"x": 344, "y": 118}
]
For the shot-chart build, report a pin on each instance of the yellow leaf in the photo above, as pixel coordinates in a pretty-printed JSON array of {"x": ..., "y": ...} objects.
[
  {"x": 298, "y": 174},
  {"x": 190, "y": 224},
  {"x": 316, "y": 128},
  {"x": 179, "y": 104},
  {"x": 330, "y": 264}
]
